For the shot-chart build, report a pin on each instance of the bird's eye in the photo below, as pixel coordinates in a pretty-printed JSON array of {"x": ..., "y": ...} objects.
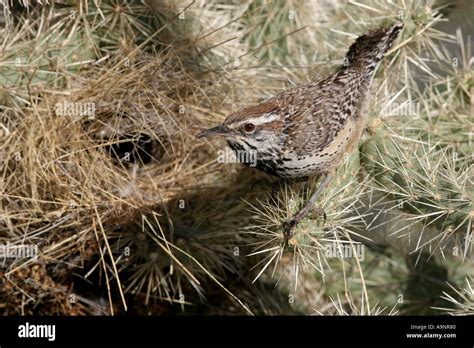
[{"x": 249, "y": 127}]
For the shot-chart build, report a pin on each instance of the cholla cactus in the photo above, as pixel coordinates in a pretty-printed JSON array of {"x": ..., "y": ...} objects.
[
  {"x": 463, "y": 299},
  {"x": 316, "y": 236},
  {"x": 128, "y": 198},
  {"x": 182, "y": 245},
  {"x": 432, "y": 181},
  {"x": 429, "y": 183}
]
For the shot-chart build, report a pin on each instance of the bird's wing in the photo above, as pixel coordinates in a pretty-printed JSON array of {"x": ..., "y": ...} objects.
[{"x": 314, "y": 118}]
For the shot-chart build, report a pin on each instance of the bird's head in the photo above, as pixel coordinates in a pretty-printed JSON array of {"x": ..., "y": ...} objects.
[{"x": 249, "y": 129}]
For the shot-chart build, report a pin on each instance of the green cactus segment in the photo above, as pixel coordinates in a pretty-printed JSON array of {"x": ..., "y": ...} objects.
[
  {"x": 423, "y": 179},
  {"x": 267, "y": 22},
  {"x": 44, "y": 62},
  {"x": 373, "y": 157}
]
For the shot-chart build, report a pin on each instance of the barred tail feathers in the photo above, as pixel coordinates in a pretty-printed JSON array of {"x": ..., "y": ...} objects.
[{"x": 369, "y": 49}]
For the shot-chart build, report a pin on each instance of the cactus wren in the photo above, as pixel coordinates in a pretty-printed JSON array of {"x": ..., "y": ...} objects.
[{"x": 307, "y": 130}]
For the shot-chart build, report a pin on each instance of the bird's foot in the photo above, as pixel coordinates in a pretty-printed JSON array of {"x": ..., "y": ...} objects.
[
  {"x": 289, "y": 227},
  {"x": 290, "y": 224},
  {"x": 317, "y": 212}
]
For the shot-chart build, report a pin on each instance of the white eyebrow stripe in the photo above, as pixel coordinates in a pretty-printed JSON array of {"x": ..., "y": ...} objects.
[{"x": 265, "y": 118}]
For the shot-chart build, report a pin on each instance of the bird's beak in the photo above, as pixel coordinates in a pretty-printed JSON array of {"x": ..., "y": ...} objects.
[{"x": 219, "y": 130}]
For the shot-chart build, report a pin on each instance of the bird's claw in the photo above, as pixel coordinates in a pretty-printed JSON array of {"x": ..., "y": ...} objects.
[
  {"x": 290, "y": 224},
  {"x": 288, "y": 228},
  {"x": 317, "y": 212}
]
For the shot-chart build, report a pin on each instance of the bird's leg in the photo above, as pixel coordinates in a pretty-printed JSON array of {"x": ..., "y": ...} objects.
[{"x": 289, "y": 225}]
